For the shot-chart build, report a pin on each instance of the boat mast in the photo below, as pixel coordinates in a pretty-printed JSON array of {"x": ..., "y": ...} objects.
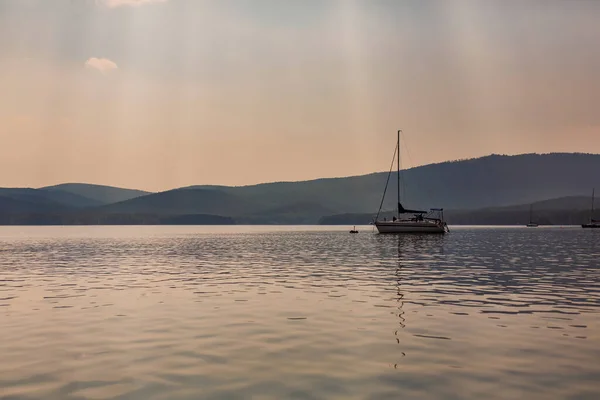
[{"x": 398, "y": 145}]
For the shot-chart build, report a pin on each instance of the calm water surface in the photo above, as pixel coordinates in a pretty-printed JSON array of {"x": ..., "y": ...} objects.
[{"x": 298, "y": 313}]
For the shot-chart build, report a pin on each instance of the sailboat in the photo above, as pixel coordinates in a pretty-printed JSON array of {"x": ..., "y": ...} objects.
[
  {"x": 431, "y": 221},
  {"x": 531, "y": 224},
  {"x": 594, "y": 223}
]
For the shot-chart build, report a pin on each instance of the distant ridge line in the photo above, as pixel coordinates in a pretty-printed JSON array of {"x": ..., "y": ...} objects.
[
  {"x": 492, "y": 155},
  {"x": 478, "y": 183}
]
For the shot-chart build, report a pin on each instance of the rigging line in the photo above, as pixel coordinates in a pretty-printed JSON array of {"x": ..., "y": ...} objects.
[{"x": 387, "y": 181}]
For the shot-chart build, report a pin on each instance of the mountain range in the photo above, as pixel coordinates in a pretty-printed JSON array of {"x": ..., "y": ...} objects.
[{"x": 471, "y": 191}]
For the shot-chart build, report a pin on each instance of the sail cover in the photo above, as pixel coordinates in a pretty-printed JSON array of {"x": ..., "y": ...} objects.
[{"x": 402, "y": 210}]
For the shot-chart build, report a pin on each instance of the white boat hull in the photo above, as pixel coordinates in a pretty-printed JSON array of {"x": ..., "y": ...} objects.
[{"x": 409, "y": 227}]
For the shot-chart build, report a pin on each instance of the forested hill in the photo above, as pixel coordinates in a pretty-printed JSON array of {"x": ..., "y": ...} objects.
[{"x": 474, "y": 184}]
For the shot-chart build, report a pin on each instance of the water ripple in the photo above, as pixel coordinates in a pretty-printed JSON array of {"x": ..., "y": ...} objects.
[{"x": 242, "y": 312}]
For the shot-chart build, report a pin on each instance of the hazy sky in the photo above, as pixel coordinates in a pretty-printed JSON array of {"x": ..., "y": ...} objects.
[{"x": 156, "y": 94}]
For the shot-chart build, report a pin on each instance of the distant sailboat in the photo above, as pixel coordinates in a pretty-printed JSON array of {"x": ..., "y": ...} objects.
[
  {"x": 531, "y": 224},
  {"x": 594, "y": 223},
  {"x": 420, "y": 222}
]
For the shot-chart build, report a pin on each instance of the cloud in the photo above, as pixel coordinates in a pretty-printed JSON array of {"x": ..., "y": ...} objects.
[
  {"x": 119, "y": 3},
  {"x": 103, "y": 65}
]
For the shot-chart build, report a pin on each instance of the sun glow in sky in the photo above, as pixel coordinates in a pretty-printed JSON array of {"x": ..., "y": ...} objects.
[{"x": 156, "y": 94}]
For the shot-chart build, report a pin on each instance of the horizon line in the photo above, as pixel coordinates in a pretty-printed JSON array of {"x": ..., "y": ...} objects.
[{"x": 308, "y": 179}]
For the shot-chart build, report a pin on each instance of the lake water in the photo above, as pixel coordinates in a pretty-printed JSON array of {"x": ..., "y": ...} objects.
[{"x": 298, "y": 313}]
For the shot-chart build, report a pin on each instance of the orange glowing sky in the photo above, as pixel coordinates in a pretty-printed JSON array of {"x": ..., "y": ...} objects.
[{"x": 156, "y": 94}]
